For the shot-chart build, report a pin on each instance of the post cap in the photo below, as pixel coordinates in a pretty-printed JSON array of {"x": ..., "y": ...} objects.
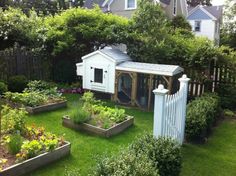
[
  {"x": 160, "y": 90},
  {"x": 184, "y": 78}
]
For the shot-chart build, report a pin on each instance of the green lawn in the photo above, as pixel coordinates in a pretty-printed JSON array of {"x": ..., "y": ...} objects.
[
  {"x": 85, "y": 148},
  {"x": 217, "y": 157}
]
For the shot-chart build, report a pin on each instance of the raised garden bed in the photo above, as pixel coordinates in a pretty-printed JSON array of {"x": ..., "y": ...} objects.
[
  {"x": 116, "y": 129},
  {"x": 37, "y": 162},
  {"x": 47, "y": 107},
  {"x": 39, "y": 96}
]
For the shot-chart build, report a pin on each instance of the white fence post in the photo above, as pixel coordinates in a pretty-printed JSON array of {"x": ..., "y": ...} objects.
[
  {"x": 170, "y": 111},
  {"x": 159, "y": 110},
  {"x": 184, "y": 86}
]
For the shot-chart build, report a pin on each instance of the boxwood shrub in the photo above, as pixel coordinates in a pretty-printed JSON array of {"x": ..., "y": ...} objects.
[
  {"x": 126, "y": 163},
  {"x": 146, "y": 156},
  {"x": 201, "y": 115},
  {"x": 164, "y": 153}
]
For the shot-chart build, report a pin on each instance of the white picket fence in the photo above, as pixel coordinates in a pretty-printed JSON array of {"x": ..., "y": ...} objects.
[{"x": 170, "y": 111}]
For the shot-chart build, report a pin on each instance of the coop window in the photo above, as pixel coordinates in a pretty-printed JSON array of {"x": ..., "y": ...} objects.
[
  {"x": 98, "y": 75},
  {"x": 197, "y": 26}
]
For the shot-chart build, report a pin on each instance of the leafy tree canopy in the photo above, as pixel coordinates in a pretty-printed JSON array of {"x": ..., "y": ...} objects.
[
  {"x": 228, "y": 32},
  {"x": 194, "y": 3}
]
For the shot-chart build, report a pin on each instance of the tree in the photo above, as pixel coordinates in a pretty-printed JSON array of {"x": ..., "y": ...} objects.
[
  {"x": 228, "y": 32},
  {"x": 149, "y": 31},
  {"x": 194, "y": 3},
  {"x": 42, "y": 6},
  {"x": 181, "y": 22}
]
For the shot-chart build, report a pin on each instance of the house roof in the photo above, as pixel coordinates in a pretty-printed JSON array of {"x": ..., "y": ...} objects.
[
  {"x": 214, "y": 12},
  {"x": 167, "y": 2},
  {"x": 113, "y": 54},
  {"x": 157, "y": 69},
  {"x": 90, "y": 4}
]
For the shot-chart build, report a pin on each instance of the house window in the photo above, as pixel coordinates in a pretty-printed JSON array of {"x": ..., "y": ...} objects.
[
  {"x": 130, "y": 4},
  {"x": 197, "y": 26},
  {"x": 98, "y": 75},
  {"x": 175, "y": 7}
]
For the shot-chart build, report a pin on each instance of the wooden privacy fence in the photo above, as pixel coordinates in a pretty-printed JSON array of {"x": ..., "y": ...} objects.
[
  {"x": 170, "y": 111},
  {"x": 18, "y": 61},
  {"x": 216, "y": 75}
]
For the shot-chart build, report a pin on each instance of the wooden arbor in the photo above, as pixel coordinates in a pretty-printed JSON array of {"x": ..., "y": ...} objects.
[{"x": 151, "y": 81}]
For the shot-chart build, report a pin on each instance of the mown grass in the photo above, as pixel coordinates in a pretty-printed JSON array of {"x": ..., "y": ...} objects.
[
  {"x": 217, "y": 157},
  {"x": 86, "y": 148}
]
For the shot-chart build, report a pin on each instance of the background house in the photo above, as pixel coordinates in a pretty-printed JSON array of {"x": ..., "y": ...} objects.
[
  {"x": 206, "y": 21},
  {"x": 126, "y": 8}
]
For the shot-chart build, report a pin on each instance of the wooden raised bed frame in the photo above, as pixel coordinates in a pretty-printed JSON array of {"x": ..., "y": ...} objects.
[
  {"x": 37, "y": 162},
  {"x": 47, "y": 107},
  {"x": 118, "y": 128}
]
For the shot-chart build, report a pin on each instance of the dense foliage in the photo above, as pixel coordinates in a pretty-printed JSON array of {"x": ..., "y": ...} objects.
[
  {"x": 201, "y": 115},
  {"x": 17, "y": 83},
  {"x": 194, "y": 3},
  {"x": 228, "y": 31},
  {"x": 3, "y": 88},
  {"x": 146, "y": 156}
]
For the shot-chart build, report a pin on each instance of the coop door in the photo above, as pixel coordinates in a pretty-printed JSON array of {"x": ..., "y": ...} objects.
[{"x": 99, "y": 78}]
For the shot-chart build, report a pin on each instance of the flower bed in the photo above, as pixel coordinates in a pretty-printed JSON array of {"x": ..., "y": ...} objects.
[
  {"x": 38, "y": 97},
  {"x": 24, "y": 148},
  {"x": 98, "y": 119}
]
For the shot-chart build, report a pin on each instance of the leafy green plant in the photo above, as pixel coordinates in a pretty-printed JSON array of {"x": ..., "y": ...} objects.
[
  {"x": 13, "y": 120},
  {"x": 201, "y": 115},
  {"x": 29, "y": 149},
  {"x": 164, "y": 153},
  {"x": 3, "y": 88},
  {"x": 80, "y": 116},
  {"x": 14, "y": 143},
  {"x": 27, "y": 98},
  {"x": 126, "y": 163},
  {"x": 17, "y": 83}
]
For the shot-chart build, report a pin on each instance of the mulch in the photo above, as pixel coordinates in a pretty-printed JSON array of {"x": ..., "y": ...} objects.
[{"x": 4, "y": 154}]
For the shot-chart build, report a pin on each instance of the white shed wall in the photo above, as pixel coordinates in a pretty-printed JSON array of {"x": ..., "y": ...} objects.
[{"x": 99, "y": 61}]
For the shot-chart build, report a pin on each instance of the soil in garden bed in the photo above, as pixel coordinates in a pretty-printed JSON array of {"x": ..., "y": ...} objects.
[{"x": 4, "y": 154}]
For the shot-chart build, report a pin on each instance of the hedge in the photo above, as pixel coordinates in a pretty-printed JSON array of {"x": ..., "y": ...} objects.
[{"x": 201, "y": 115}]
